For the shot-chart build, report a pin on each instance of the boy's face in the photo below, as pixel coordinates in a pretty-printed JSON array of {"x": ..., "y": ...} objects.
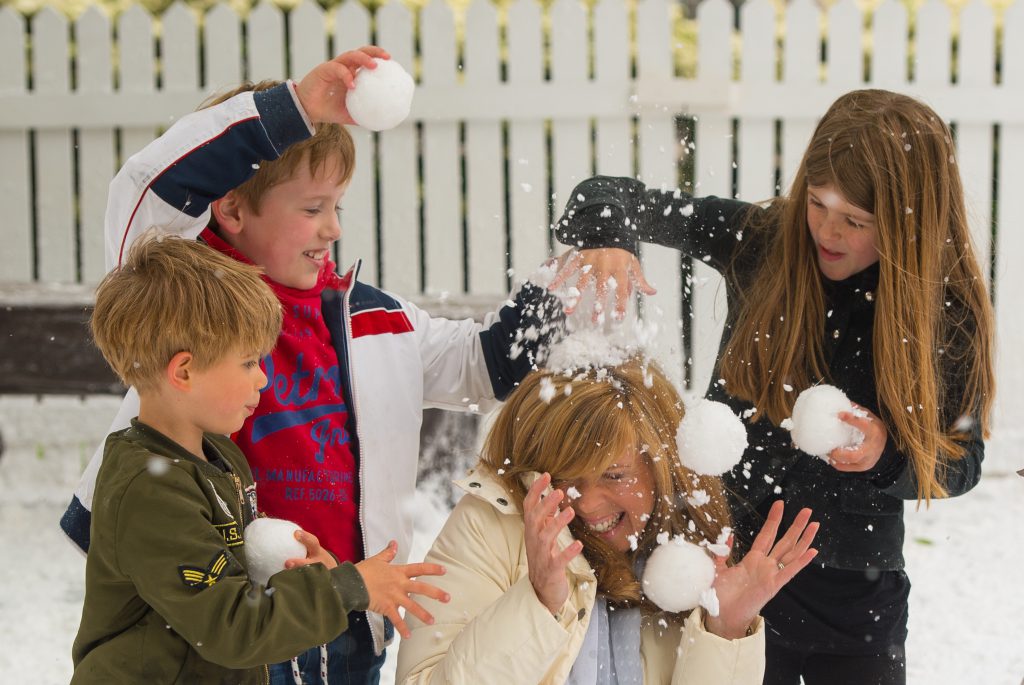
[
  {"x": 291, "y": 235},
  {"x": 226, "y": 393}
]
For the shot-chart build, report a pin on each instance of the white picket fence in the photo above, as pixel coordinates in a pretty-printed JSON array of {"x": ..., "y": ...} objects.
[{"x": 448, "y": 208}]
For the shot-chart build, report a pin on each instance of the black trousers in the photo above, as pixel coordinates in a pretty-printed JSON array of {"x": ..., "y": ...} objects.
[{"x": 786, "y": 666}]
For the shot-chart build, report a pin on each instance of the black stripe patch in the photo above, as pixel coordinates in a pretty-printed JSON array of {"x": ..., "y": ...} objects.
[
  {"x": 204, "y": 577},
  {"x": 230, "y": 532}
]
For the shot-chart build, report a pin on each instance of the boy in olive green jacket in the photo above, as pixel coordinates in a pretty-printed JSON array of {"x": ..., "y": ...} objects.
[{"x": 167, "y": 597}]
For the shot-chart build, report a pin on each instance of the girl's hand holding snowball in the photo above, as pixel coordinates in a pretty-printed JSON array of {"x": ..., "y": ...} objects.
[
  {"x": 546, "y": 562},
  {"x": 389, "y": 586},
  {"x": 865, "y": 456},
  {"x": 323, "y": 90},
  {"x": 744, "y": 588},
  {"x": 599, "y": 265}
]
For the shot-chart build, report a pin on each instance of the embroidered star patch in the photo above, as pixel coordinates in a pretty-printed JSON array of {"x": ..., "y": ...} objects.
[{"x": 204, "y": 577}]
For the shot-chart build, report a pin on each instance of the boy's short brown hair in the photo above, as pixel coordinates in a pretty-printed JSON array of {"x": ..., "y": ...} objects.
[
  {"x": 172, "y": 295},
  {"x": 331, "y": 144}
]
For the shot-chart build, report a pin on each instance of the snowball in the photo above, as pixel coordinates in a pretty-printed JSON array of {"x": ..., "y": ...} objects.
[
  {"x": 711, "y": 438},
  {"x": 381, "y": 97},
  {"x": 268, "y": 544},
  {"x": 815, "y": 426},
  {"x": 678, "y": 575}
]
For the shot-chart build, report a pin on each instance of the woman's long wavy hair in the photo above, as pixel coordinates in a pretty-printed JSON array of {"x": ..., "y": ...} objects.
[
  {"x": 893, "y": 156},
  {"x": 591, "y": 420}
]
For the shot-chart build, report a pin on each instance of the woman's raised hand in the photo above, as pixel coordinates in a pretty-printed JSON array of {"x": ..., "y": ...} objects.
[
  {"x": 743, "y": 589},
  {"x": 546, "y": 561},
  {"x": 598, "y": 266}
]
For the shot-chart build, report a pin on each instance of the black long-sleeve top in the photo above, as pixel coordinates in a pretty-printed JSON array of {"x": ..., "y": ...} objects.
[{"x": 861, "y": 513}]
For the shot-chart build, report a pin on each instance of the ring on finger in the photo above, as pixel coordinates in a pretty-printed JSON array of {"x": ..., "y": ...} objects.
[{"x": 780, "y": 565}]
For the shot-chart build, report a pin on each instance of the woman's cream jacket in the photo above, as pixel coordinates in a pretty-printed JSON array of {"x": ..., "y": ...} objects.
[{"x": 495, "y": 630}]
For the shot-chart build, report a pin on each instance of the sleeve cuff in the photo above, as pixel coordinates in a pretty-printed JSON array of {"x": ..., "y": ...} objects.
[
  {"x": 349, "y": 584},
  {"x": 282, "y": 116}
]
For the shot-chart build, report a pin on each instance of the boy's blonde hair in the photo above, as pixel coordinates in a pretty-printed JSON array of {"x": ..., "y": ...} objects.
[
  {"x": 172, "y": 295},
  {"x": 331, "y": 144},
  {"x": 580, "y": 433}
]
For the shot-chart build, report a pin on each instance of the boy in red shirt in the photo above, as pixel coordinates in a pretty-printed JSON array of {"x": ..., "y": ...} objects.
[{"x": 335, "y": 443}]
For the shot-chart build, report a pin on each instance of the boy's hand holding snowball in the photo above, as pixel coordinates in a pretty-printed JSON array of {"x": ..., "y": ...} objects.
[
  {"x": 360, "y": 87},
  {"x": 827, "y": 424},
  {"x": 273, "y": 545}
]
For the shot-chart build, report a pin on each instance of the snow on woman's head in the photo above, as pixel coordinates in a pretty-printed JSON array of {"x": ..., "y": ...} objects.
[{"x": 577, "y": 428}]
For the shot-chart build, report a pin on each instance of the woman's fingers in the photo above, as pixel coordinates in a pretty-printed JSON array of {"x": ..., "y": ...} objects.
[
  {"x": 568, "y": 554},
  {"x": 766, "y": 537},
  {"x": 794, "y": 567},
  {"x": 789, "y": 540}
]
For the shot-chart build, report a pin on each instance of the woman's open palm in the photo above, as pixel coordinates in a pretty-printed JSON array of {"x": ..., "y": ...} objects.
[{"x": 744, "y": 588}]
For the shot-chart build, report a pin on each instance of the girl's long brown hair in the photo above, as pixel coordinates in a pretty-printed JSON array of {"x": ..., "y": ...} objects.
[
  {"x": 894, "y": 157},
  {"x": 579, "y": 435}
]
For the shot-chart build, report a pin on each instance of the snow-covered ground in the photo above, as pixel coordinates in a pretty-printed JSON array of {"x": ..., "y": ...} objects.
[{"x": 967, "y": 608}]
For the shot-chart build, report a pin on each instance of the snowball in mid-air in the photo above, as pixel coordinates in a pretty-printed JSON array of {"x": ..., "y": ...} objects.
[
  {"x": 815, "y": 426},
  {"x": 678, "y": 575},
  {"x": 381, "y": 97},
  {"x": 711, "y": 438},
  {"x": 268, "y": 544}
]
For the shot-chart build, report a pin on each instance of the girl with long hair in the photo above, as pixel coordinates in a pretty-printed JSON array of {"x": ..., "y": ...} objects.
[
  {"x": 863, "y": 277},
  {"x": 546, "y": 584}
]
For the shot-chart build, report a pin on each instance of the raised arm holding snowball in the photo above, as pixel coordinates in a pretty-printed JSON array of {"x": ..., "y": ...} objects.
[{"x": 851, "y": 280}]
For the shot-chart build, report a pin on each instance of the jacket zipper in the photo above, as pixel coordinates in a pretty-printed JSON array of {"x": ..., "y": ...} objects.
[{"x": 346, "y": 317}]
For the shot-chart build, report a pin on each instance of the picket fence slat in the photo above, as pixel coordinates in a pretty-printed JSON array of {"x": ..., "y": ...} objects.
[
  {"x": 889, "y": 45},
  {"x": 95, "y": 145},
  {"x": 55, "y": 240},
  {"x": 442, "y": 190},
  {"x": 307, "y": 44},
  {"x": 614, "y": 153},
  {"x": 222, "y": 48},
  {"x": 975, "y": 141},
  {"x": 399, "y": 179},
  {"x": 265, "y": 58},
  {"x": 755, "y": 164},
  {"x": 845, "y": 45},
  {"x": 1009, "y": 277},
  {"x": 932, "y": 60},
  {"x": 528, "y": 186},
  {"x": 16, "y": 259},
  {"x": 359, "y": 215},
  {"x": 658, "y": 152},
  {"x": 801, "y": 65},
  {"x": 485, "y": 171},
  {"x": 713, "y": 176},
  {"x": 571, "y": 149}
]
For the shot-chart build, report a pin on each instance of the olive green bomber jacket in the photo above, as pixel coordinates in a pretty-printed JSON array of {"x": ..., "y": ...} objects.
[{"x": 168, "y": 599}]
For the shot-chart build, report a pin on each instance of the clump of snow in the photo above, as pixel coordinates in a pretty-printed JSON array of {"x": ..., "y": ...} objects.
[
  {"x": 711, "y": 438},
  {"x": 268, "y": 544},
  {"x": 815, "y": 426},
  {"x": 382, "y": 97},
  {"x": 678, "y": 575},
  {"x": 547, "y": 390}
]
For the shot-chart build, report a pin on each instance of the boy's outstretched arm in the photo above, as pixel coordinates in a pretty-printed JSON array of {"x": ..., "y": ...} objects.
[{"x": 171, "y": 182}]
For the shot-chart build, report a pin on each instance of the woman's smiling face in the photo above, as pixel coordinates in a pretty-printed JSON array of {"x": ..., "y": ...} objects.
[{"x": 616, "y": 504}]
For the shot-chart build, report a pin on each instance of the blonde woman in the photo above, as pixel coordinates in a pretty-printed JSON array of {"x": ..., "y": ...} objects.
[
  {"x": 862, "y": 277},
  {"x": 545, "y": 584}
]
